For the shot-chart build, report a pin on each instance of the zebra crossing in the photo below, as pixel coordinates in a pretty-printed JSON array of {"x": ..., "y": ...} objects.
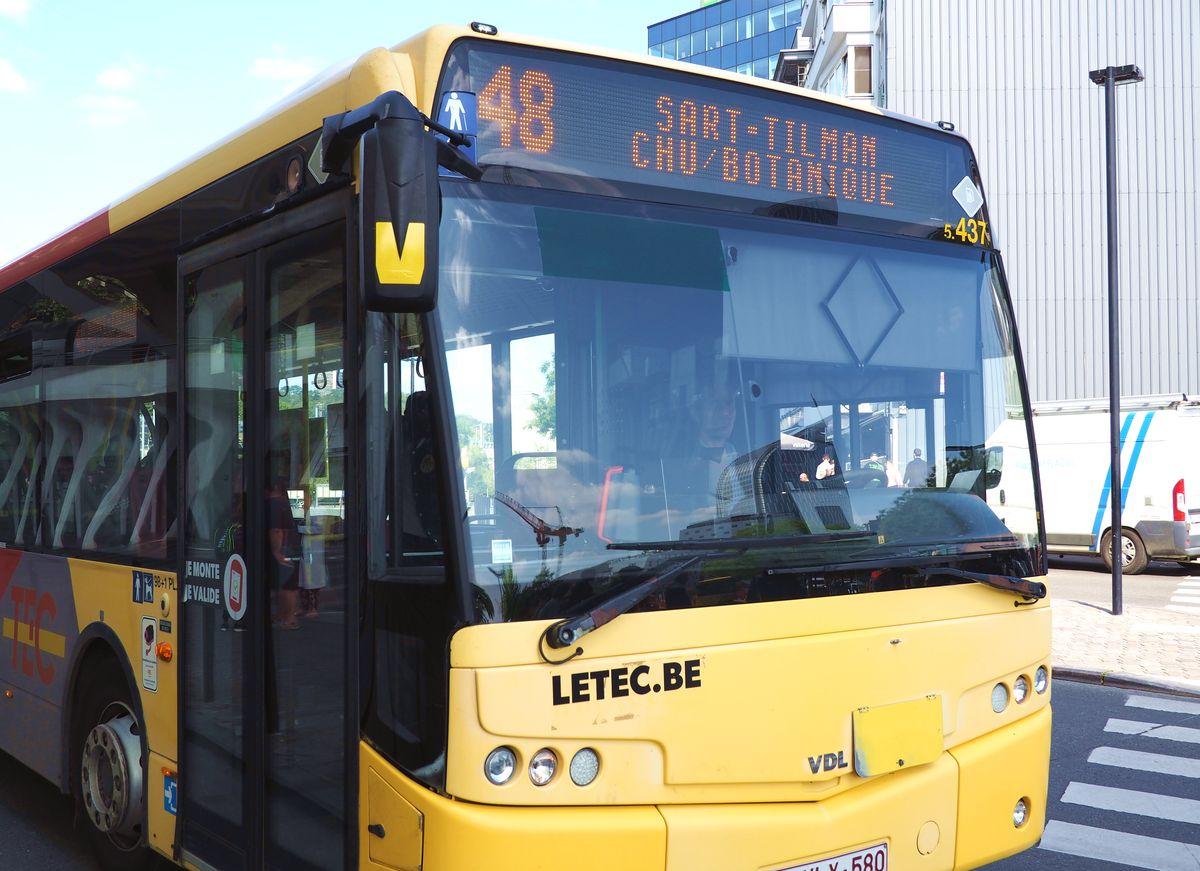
[
  {"x": 1135, "y": 800},
  {"x": 1186, "y": 598}
]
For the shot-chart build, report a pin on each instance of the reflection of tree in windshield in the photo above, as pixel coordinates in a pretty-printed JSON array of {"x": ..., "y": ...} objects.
[
  {"x": 544, "y": 407},
  {"x": 477, "y": 446}
]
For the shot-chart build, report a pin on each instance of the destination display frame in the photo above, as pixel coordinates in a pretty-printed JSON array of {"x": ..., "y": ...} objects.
[{"x": 549, "y": 118}]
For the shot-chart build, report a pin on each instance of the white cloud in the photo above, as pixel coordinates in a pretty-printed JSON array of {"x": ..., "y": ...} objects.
[
  {"x": 108, "y": 110},
  {"x": 293, "y": 71},
  {"x": 13, "y": 8},
  {"x": 11, "y": 81},
  {"x": 285, "y": 74},
  {"x": 119, "y": 77}
]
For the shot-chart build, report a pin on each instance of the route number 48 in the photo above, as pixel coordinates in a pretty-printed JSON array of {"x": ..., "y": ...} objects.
[
  {"x": 968, "y": 230},
  {"x": 527, "y": 111}
]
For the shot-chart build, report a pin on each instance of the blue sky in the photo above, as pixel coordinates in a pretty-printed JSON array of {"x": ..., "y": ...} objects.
[{"x": 99, "y": 96}]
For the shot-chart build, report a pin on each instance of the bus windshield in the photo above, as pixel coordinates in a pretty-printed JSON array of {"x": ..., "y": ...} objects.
[{"x": 636, "y": 383}]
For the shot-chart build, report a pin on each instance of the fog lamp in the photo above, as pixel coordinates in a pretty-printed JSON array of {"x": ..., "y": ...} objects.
[
  {"x": 1041, "y": 679},
  {"x": 542, "y": 767},
  {"x": 1020, "y": 689},
  {"x": 585, "y": 765},
  {"x": 500, "y": 765},
  {"x": 1020, "y": 813},
  {"x": 999, "y": 698}
]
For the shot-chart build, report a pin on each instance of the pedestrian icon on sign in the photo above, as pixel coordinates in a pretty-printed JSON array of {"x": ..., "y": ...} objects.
[{"x": 457, "y": 111}]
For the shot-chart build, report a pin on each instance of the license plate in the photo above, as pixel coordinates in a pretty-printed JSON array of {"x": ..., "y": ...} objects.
[{"x": 867, "y": 859}]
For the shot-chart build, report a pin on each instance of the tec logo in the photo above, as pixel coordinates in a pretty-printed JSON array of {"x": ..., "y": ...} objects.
[{"x": 618, "y": 683}]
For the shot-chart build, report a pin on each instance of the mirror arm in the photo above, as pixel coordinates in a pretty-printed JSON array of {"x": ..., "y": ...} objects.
[
  {"x": 458, "y": 140},
  {"x": 454, "y": 160},
  {"x": 340, "y": 133}
]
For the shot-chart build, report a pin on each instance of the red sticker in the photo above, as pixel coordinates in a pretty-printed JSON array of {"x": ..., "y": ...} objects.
[{"x": 235, "y": 586}]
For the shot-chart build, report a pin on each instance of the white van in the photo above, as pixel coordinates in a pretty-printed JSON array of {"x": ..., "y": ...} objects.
[{"x": 1160, "y": 465}]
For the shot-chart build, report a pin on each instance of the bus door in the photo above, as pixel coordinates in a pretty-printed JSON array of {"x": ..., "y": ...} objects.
[{"x": 266, "y": 685}]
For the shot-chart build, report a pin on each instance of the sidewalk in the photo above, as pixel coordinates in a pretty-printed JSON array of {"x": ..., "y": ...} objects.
[{"x": 1143, "y": 642}]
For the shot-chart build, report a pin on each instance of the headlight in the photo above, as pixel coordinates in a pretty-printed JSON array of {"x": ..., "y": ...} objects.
[
  {"x": 999, "y": 698},
  {"x": 1041, "y": 679},
  {"x": 500, "y": 765},
  {"x": 542, "y": 767},
  {"x": 585, "y": 765},
  {"x": 1020, "y": 689},
  {"x": 1020, "y": 813}
]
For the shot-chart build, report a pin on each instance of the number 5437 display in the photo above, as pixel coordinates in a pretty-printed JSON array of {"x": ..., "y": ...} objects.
[{"x": 969, "y": 231}]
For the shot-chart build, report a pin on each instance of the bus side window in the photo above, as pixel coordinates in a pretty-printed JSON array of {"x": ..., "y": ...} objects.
[
  {"x": 20, "y": 436},
  {"x": 409, "y": 602},
  {"x": 404, "y": 524},
  {"x": 87, "y": 364}
]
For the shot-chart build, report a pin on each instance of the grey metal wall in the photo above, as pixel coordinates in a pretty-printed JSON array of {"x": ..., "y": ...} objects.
[{"x": 1012, "y": 75}]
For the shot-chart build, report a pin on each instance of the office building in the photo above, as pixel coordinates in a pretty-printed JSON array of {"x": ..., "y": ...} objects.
[
  {"x": 834, "y": 50},
  {"x": 742, "y": 36},
  {"x": 1013, "y": 77},
  {"x": 772, "y": 39}
]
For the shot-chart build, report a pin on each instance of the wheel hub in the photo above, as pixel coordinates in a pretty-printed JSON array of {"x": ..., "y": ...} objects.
[
  {"x": 111, "y": 775},
  {"x": 1128, "y": 550}
]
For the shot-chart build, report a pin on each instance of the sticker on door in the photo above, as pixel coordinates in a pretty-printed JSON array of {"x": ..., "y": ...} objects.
[
  {"x": 150, "y": 654},
  {"x": 235, "y": 586}
]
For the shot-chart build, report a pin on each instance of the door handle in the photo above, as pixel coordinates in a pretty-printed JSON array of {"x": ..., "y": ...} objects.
[{"x": 377, "y": 830}]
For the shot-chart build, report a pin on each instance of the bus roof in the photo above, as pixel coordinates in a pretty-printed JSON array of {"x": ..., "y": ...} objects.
[{"x": 412, "y": 67}]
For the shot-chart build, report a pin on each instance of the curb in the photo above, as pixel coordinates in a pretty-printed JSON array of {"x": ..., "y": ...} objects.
[{"x": 1125, "y": 681}]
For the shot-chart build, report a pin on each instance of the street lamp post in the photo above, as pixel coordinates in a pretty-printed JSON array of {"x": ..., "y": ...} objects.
[{"x": 1109, "y": 78}]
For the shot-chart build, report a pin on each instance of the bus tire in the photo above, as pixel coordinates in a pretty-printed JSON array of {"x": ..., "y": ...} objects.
[
  {"x": 1135, "y": 552},
  {"x": 108, "y": 770}
]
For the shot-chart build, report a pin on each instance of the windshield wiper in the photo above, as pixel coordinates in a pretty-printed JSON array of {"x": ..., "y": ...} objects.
[
  {"x": 742, "y": 543},
  {"x": 1031, "y": 590},
  {"x": 564, "y": 633}
]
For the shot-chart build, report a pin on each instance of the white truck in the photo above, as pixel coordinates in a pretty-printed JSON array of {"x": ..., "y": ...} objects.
[{"x": 1160, "y": 466}]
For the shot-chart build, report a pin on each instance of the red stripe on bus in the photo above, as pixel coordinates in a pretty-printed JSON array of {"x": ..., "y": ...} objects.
[{"x": 72, "y": 241}]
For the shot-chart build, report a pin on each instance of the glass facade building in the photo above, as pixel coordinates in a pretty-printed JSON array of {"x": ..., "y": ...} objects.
[{"x": 743, "y": 36}]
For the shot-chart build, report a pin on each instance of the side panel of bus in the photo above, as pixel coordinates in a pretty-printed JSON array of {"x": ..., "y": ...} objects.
[
  {"x": 134, "y": 611},
  {"x": 55, "y": 609},
  {"x": 39, "y": 633}
]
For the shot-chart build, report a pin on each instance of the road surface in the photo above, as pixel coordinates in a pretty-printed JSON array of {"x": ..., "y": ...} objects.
[
  {"x": 1124, "y": 783},
  {"x": 1162, "y": 585}
]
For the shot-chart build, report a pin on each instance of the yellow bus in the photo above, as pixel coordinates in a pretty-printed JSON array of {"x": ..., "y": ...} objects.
[{"x": 511, "y": 455}]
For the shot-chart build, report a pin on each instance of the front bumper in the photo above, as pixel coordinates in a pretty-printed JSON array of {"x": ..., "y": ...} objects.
[
  {"x": 955, "y": 812},
  {"x": 1168, "y": 539}
]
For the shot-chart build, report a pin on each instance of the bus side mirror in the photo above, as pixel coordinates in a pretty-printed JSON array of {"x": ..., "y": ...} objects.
[
  {"x": 400, "y": 212},
  {"x": 400, "y": 199},
  {"x": 994, "y": 467}
]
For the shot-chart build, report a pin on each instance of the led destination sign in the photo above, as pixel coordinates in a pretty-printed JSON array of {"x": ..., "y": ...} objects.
[
  {"x": 569, "y": 115},
  {"x": 774, "y": 152}
]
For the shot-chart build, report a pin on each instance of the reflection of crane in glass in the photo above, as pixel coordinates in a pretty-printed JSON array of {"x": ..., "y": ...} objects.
[{"x": 542, "y": 530}]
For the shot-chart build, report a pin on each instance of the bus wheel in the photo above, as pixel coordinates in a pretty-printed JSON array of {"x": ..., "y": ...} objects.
[
  {"x": 110, "y": 773},
  {"x": 1133, "y": 553}
]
